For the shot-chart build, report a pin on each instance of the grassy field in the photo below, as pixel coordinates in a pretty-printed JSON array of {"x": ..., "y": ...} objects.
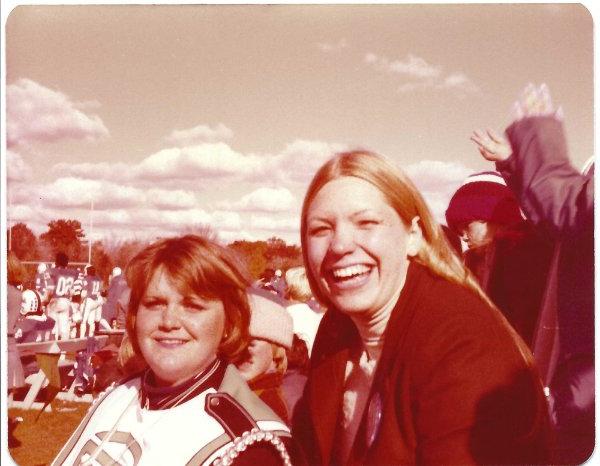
[{"x": 38, "y": 442}]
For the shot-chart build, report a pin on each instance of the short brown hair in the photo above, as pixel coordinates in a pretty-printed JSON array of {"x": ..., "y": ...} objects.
[{"x": 196, "y": 265}]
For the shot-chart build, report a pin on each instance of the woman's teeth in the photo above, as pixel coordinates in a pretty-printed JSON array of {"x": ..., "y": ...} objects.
[{"x": 350, "y": 271}]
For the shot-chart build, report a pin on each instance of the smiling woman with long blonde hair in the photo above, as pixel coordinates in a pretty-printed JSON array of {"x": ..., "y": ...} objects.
[{"x": 412, "y": 362}]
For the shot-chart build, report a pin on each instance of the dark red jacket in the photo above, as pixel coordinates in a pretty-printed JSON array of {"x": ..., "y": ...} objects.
[
  {"x": 513, "y": 271},
  {"x": 454, "y": 387}
]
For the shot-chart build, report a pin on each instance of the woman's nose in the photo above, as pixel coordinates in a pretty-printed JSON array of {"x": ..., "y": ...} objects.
[
  {"x": 170, "y": 318},
  {"x": 343, "y": 240}
]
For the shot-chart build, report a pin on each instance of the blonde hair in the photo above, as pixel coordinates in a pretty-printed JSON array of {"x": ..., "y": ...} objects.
[
  {"x": 298, "y": 288},
  {"x": 436, "y": 253},
  {"x": 279, "y": 358}
]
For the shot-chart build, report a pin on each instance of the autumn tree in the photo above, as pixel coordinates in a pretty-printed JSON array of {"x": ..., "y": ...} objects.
[
  {"x": 274, "y": 253},
  {"x": 101, "y": 262},
  {"x": 121, "y": 252},
  {"x": 281, "y": 255},
  {"x": 23, "y": 242},
  {"x": 66, "y": 236},
  {"x": 253, "y": 255}
]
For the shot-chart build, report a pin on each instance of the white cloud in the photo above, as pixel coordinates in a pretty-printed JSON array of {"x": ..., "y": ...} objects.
[
  {"x": 329, "y": 47},
  {"x": 166, "y": 193},
  {"x": 421, "y": 74},
  {"x": 412, "y": 66},
  {"x": 196, "y": 162},
  {"x": 16, "y": 168},
  {"x": 71, "y": 192},
  {"x": 171, "y": 199},
  {"x": 199, "y": 134},
  {"x": 265, "y": 200},
  {"x": 289, "y": 224},
  {"x": 118, "y": 171},
  {"x": 300, "y": 159},
  {"x": 36, "y": 113},
  {"x": 458, "y": 81}
]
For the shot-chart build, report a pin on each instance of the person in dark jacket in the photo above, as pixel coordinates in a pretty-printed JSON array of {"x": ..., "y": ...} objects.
[
  {"x": 412, "y": 362},
  {"x": 507, "y": 255},
  {"x": 559, "y": 200}
]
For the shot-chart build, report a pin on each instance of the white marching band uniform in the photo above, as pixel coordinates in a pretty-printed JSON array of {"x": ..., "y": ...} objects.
[{"x": 118, "y": 430}]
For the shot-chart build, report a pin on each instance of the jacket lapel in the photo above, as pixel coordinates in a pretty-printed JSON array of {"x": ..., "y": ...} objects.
[
  {"x": 327, "y": 380},
  {"x": 395, "y": 334}
]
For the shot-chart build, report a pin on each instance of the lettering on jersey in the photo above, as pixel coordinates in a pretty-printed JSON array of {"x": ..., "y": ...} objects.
[
  {"x": 63, "y": 286},
  {"x": 102, "y": 457},
  {"x": 92, "y": 287}
]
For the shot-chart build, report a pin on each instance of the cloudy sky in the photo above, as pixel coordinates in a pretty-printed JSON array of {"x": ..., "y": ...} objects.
[{"x": 171, "y": 117}]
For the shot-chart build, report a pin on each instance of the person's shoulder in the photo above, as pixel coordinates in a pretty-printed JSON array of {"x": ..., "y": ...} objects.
[
  {"x": 236, "y": 389},
  {"x": 439, "y": 294}
]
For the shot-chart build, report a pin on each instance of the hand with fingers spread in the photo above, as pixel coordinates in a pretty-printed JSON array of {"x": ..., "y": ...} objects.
[
  {"x": 534, "y": 101},
  {"x": 492, "y": 146}
]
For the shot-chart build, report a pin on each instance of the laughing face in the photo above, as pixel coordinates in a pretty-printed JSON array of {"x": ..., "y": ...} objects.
[
  {"x": 357, "y": 245},
  {"x": 178, "y": 335}
]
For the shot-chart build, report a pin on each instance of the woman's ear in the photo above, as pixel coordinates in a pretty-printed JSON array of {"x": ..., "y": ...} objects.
[{"x": 415, "y": 237}]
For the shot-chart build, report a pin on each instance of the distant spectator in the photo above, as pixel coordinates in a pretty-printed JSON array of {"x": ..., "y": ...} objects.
[
  {"x": 115, "y": 307},
  {"x": 265, "y": 363},
  {"x": 296, "y": 374},
  {"x": 306, "y": 318},
  {"x": 272, "y": 281},
  {"x": 15, "y": 275},
  {"x": 453, "y": 240},
  {"x": 505, "y": 253}
]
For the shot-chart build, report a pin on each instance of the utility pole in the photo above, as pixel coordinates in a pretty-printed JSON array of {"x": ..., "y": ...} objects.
[{"x": 91, "y": 232}]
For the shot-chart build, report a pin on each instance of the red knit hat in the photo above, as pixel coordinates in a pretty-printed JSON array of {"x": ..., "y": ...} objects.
[{"x": 483, "y": 196}]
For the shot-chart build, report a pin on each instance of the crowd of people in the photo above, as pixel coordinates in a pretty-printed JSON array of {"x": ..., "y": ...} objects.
[{"x": 400, "y": 341}]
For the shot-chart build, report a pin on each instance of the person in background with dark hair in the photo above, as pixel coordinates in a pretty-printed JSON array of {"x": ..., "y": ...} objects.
[
  {"x": 15, "y": 275},
  {"x": 114, "y": 309},
  {"x": 559, "y": 200},
  {"x": 59, "y": 307},
  {"x": 16, "y": 378},
  {"x": 453, "y": 240},
  {"x": 507, "y": 255},
  {"x": 296, "y": 374},
  {"x": 91, "y": 306}
]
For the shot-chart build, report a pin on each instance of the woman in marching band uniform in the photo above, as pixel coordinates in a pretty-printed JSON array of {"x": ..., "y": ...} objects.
[{"x": 187, "y": 321}]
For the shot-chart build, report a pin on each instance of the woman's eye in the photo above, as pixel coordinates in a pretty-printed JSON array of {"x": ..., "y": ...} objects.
[
  {"x": 368, "y": 222},
  {"x": 318, "y": 230},
  {"x": 153, "y": 304},
  {"x": 195, "y": 307}
]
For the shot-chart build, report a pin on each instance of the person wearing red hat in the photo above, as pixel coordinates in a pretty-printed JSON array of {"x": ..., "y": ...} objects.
[{"x": 509, "y": 258}]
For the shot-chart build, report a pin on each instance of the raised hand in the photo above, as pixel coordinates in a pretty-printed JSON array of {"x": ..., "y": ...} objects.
[
  {"x": 492, "y": 146},
  {"x": 535, "y": 101}
]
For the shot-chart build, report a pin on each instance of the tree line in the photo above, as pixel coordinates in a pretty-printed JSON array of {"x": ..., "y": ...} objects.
[{"x": 69, "y": 237}]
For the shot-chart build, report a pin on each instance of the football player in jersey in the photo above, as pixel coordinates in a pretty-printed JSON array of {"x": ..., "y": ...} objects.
[
  {"x": 42, "y": 283},
  {"x": 62, "y": 279},
  {"x": 91, "y": 304},
  {"x": 76, "y": 308}
]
